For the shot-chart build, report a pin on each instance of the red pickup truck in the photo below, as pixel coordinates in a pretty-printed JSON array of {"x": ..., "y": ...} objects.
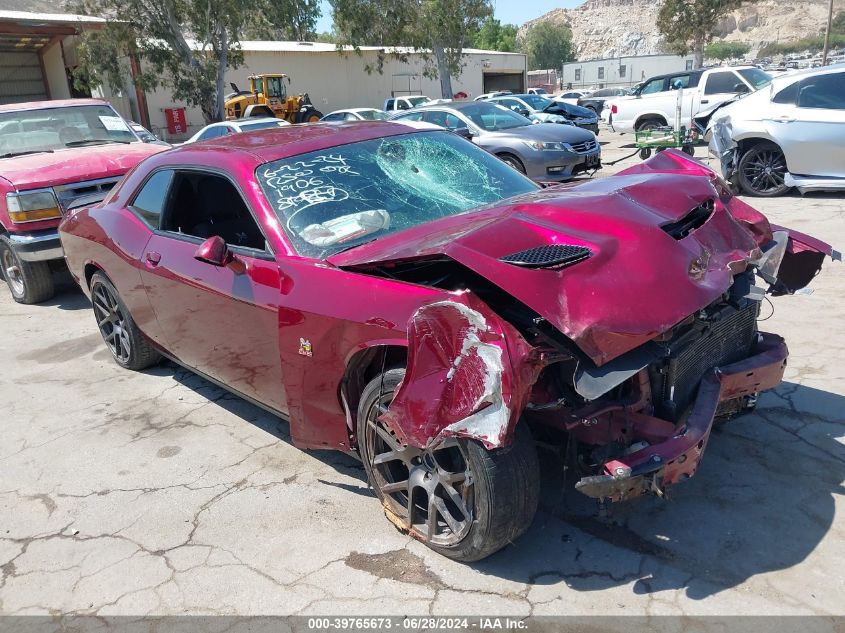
[{"x": 52, "y": 154}]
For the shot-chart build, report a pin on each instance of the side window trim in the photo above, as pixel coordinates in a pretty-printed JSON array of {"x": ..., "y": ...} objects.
[{"x": 266, "y": 253}]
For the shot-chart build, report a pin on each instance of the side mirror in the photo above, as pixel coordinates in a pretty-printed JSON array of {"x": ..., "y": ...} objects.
[
  {"x": 214, "y": 251},
  {"x": 741, "y": 89},
  {"x": 463, "y": 132}
]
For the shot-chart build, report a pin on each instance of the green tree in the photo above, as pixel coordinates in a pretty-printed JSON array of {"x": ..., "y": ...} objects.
[
  {"x": 184, "y": 45},
  {"x": 689, "y": 25},
  {"x": 294, "y": 20},
  {"x": 838, "y": 24},
  {"x": 495, "y": 36},
  {"x": 547, "y": 45},
  {"x": 438, "y": 30},
  {"x": 726, "y": 50}
]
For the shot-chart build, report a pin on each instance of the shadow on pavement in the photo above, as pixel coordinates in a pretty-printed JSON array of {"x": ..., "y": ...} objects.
[{"x": 762, "y": 500}]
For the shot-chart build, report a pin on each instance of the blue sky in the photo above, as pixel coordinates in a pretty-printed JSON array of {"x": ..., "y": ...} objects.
[{"x": 508, "y": 11}]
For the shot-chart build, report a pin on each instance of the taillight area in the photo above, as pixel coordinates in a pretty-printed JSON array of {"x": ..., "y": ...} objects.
[{"x": 614, "y": 109}]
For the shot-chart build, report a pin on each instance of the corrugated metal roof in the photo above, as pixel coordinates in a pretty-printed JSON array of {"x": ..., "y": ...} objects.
[{"x": 324, "y": 47}]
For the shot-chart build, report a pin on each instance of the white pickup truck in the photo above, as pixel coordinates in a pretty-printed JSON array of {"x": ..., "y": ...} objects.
[{"x": 655, "y": 103}]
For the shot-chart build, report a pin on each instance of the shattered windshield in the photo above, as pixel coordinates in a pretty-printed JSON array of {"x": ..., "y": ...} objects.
[
  {"x": 49, "y": 129},
  {"x": 333, "y": 199}
]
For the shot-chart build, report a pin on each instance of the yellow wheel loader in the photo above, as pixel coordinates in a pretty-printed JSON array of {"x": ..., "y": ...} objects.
[{"x": 267, "y": 96}]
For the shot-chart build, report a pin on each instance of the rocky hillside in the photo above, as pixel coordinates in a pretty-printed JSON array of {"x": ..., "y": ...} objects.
[{"x": 609, "y": 28}]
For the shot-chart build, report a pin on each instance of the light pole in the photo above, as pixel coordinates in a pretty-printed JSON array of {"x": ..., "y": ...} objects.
[{"x": 827, "y": 34}]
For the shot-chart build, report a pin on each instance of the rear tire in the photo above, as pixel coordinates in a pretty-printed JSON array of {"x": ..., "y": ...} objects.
[
  {"x": 650, "y": 124},
  {"x": 129, "y": 347},
  {"x": 498, "y": 489},
  {"x": 29, "y": 282}
]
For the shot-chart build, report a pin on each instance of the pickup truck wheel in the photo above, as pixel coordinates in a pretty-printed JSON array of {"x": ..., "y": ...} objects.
[
  {"x": 129, "y": 347},
  {"x": 460, "y": 499},
  {"x": 29, "y": 282},
  {"x": 650, "y": 124},
  {"x": 761, "y": 171}
]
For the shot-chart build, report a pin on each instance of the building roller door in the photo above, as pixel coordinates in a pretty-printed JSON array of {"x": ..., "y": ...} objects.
[{"x": 21, "y": 77}]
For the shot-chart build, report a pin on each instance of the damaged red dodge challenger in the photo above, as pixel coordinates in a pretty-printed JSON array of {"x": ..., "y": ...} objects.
[{"x": 403, "y": 295}]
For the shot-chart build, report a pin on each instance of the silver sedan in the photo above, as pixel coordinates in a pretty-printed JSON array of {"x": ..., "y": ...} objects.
[{"x": 542, "y": 151}]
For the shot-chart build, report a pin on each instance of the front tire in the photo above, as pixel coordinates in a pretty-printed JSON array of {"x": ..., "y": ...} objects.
[
  {"x": 513, "y": 161},
  {"x": 460, "y": 499},
  {"x": 761, "y": 171},
  {"x": 129, "y": 347},
  {"x": 29, "y": 282}
]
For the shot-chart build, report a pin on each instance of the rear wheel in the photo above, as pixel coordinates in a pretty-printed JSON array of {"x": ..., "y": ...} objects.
[
  {"x": 761, "y": 171},
  {"x": 29, "y": 282},
  {"x": 460, "y": 499},
  {"x": 650, "y": 124},
  {"x": 129, "y": 347}
]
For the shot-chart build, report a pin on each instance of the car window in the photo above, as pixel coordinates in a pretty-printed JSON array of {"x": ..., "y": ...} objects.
[
  {"x": 538, "y": 102},
  {"x": 678, "y": 82},
  {"x": 721, "y": 82},
  {"x": 401, "y": 104},
  {"x": 349, "y": 116},
  {"x": 443, "y": 119},
  {"x": 213, "y": 132},
  {"x": 756, "y": 77},
  {"x": 373, "y": 115},
  {"x": 335, "y": 116},
  {"x": 411, "y": 116},
  {"x": 415, "y": 101},
  {"x": 149, "y": 201},
  {"x": 48, "y": 129},
  {"x": 788, "y": 94},
  {"x": 655, "y": 85},
  {"x": 494, "y": 117},
  {"x": 263, "y": 125},
  {"x": 510, "y": 103},
  {"x": 823, "y": 91},
  {"x": 204, "y": 204},
  {"x": 389, "y": 104},
  {"x": 331, "y": 199}
]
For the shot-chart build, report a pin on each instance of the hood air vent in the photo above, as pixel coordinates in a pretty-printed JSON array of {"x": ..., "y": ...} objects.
[{"x": 548, "y": 256}]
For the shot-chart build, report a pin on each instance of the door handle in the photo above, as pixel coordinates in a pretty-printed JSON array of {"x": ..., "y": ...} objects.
[
  {"x": 152, "y": 259},
  {"x": 784, "y": 119},
  {"x": 703, "y": 101}
]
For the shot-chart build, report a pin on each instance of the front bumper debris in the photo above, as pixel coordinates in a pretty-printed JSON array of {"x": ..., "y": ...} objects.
[
  {"x": 677, "y": 457},
  {"x": 37, "y": 246}
]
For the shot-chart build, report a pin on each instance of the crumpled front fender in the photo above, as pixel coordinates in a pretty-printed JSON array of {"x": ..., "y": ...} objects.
[{"x": 469, "y": 374}]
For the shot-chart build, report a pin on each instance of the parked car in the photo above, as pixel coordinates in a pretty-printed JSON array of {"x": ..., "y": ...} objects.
[
  {"x": 236, "y": 126},
  {"x": 537, "y": 91},
  {"x": 404, "y": 103},
  {"x": 145, "y": 135},
  {"x": 357, "y": 114},
  {"x": 597, "y": 100},
  {"x": 655, "y": 103},
  {"x": 790, "y": 134},
  {"x": 571, "y": 97},
  {"x": 543, "y": 151},
  {"x": 430, "y": 309},
  {"x": 51, "y": 154},
  {"x": 542, "y": 109},
  {"x": 490, "y": 95}
]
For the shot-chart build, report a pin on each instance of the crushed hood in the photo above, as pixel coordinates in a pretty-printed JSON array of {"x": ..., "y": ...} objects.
[
  {"x": 74, "y": 164},
  {"x": 638, "y": 280}
]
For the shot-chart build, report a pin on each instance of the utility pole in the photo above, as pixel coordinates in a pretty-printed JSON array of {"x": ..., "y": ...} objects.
[{"x": 827, "y": 34}]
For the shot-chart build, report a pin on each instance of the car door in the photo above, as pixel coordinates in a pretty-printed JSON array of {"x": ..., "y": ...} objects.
[
  {"x": 719, "y": 86},
  {"x": 220, "y": 320},
  {"x": 807, "y": 120}
]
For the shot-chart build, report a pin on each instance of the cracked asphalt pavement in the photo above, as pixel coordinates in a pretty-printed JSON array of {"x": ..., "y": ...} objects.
[{"x": 159, "y": 493}]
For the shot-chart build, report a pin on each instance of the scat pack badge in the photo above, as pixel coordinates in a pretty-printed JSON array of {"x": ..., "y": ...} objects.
[{"x": 305, "y": 347}]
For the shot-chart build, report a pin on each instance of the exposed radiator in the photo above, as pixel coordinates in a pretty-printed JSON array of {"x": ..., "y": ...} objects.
[{"x": 675, "y": 380}]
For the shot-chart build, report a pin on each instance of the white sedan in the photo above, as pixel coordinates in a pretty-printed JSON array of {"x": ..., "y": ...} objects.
[
  {"x": 357, "y": 114},
  {"x": 236, "y": 126}
]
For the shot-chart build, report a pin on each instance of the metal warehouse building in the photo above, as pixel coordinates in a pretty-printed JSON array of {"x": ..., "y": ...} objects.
[
  {"x": 620, "y": 72},
  {"x": 38, "y": 54}
]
